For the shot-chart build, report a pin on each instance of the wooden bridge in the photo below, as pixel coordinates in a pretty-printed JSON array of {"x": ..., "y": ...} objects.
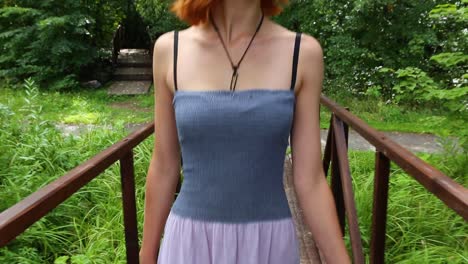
[{"x": 19, "y": 217}]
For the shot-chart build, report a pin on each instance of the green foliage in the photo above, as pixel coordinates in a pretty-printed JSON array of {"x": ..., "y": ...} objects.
[
  {"x": 52, "y": 40},
  {"x": 439, "y": 80},
  {"x": 451, "y": 64},
  {"x": 406, "y": 52},
  {"x": 450, "y": 11},
  {"x": 158, "y": 17},
  {"x": 450, "y": 59},
  {"x": 414, "y": 85},
  {"x": 358, "y": 37}
]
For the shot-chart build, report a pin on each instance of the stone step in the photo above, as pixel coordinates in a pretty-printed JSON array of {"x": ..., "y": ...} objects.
[
  {"x": 133, "y": 73},
  {"x": 134, "y": 53},
  {"x": 129, "y": 87},
  {"x": 132, "y": 63},
  {"x": 132, "y": 78},
  {"x": 134, "y": 58}
]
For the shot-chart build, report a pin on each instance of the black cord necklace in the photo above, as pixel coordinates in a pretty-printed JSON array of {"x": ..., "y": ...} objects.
[{"x": 235, "y": 67}]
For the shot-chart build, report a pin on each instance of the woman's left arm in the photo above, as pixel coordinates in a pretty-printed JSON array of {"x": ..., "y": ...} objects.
[{"x": 313, "y": 193}]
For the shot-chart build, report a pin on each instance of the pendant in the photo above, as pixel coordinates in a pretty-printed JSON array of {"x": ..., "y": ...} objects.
[{"x": 234, "y": 79}]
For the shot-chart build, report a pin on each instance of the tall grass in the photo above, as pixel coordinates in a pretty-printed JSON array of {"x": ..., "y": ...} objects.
[
  {"x": 420, "y": 227},
  {"x": 88, "y": 227}
]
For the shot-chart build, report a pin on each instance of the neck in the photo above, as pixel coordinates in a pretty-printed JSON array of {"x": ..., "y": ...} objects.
[{"x": 236, "y": 18}]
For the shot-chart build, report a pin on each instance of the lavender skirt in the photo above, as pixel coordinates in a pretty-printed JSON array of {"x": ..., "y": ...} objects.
[{"x": 190, "y": 241}]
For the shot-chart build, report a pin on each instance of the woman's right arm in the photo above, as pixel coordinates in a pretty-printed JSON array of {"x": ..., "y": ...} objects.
[{"x": 164, "y": 169}]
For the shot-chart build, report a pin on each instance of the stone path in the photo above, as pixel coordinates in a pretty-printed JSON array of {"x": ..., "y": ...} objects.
[
  {"x": 129, "y": 87},
  {"x": 133, "y": 74},
  {"x": 427, "y": 143},
  {"x": 412, "y": 141}
]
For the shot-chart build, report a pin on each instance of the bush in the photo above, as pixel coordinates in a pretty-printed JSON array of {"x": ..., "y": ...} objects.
[
  {"x": 52, "y": 40},
  {"x": 158, "y": 17}
]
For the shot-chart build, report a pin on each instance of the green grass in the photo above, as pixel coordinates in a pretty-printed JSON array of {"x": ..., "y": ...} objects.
[
  {"x": 391, "y": 117},
  {"x": 420, "y": 227},
  {"x": 86, "y": 106}
]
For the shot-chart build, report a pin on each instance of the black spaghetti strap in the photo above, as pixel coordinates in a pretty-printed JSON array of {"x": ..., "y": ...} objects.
[
  {"x": 297, "y": 45},
  {"x": 176, "y": 46}
]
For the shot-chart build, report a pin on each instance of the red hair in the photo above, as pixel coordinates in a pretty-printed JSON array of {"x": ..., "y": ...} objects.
[{"x": 196, "y": 11}]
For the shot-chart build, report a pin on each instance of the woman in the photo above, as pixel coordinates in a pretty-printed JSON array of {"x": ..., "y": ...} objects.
[{"x": 229, "y": 90}]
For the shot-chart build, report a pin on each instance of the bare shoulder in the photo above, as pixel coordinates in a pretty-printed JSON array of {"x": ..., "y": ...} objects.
[
  {"x": 162, "y": 47},
  {"x": 310, "y": 65},
  {"x": 311, "y": 49},
  {"x": 311, "y": 60},
  {"x": 280, "y": 31},
  {"x": 310, "y": 46},
  {"x": 161, "y": 59}
]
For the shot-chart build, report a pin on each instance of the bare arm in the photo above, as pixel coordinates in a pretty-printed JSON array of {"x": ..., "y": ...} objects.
[
  {"x": 314, "y": 194},
  {"x": 164, "y": 168}
]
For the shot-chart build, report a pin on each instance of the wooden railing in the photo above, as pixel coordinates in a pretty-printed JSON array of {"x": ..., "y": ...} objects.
[
  {"x": 20, "y": 216},
  {"x": 450, "y": 192}
]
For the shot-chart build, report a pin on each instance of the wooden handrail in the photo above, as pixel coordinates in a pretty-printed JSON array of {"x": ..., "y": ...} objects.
[
  {"x": 450, "y": 192},
  {"x": 454, "y": 195}
]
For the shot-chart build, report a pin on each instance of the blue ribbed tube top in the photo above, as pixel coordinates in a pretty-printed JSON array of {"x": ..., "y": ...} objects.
[{"x": 233, "y": 147}]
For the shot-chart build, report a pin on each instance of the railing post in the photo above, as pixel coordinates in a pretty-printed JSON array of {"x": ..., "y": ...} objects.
[
  {"x": 379, "y": 211},
  {"x": 336, "y": 185},
  {"x": 328, "y": 148},
  {"x": 127, "y": 177},
  {"x": 347, "y": 190},
  {"x": 346, "y": 131}
]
